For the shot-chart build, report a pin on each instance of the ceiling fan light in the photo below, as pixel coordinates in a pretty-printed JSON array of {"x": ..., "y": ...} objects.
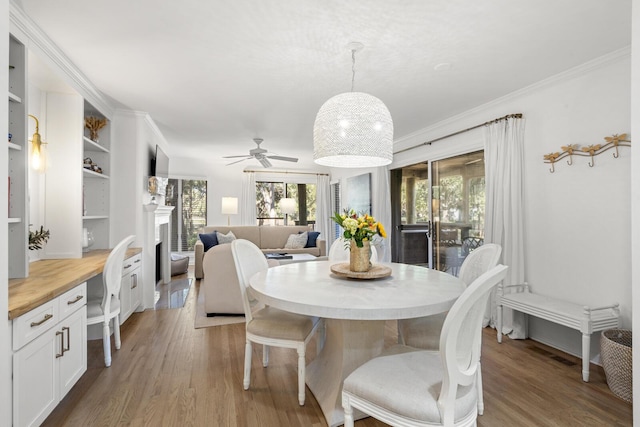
[{"x": 353, "y": 129}]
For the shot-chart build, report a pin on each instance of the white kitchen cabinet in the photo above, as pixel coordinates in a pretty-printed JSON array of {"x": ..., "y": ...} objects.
[
  {"x": 50, "y": 355},
  {"x": 130, "y": 295}
]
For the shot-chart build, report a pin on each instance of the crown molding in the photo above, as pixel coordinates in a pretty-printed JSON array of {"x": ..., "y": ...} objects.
[
  {"x": 445, "y": 126},
  {"x": 36, "y": 39}
]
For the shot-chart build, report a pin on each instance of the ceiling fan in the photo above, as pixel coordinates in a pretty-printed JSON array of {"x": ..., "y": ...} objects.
[{"x": 261, "y": 155}]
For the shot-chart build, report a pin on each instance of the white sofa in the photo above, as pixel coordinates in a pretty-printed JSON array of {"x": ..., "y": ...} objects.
[
  {"x": 267, "y": 238},
  {"x": 218, "y": 272}
]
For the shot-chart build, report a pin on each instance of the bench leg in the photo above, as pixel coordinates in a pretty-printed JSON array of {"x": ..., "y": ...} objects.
[
  {"x": 499, "y": 325},
  {"x": 586, "y": 347}
]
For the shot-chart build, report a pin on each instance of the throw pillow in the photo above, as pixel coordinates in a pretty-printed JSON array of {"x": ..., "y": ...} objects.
[
  {"x": 311, "y": 241},
  {"x": 226, "y": 238},
  {"x": 209, "y": 240},
  {"x": 296, "y": 241}
]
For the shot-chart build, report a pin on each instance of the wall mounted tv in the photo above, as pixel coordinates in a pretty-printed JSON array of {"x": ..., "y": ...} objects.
[{"x": 160, "y": 164}]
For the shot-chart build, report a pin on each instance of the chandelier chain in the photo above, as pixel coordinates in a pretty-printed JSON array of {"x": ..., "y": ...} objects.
[{"x": 353, "y": 68}]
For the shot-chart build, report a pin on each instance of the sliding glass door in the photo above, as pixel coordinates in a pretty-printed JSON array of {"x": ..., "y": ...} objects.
[{"x": 438, "y": 211}]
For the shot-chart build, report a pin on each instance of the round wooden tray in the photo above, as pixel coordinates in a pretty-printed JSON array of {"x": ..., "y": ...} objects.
[{"x": 376, "y": 272}]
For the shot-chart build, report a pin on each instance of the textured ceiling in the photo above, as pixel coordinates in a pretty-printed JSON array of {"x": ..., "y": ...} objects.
[{"x": 214, "y": 75}]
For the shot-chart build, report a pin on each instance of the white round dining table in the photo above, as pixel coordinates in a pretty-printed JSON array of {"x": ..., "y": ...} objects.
[{"x": 355, "y": 311}]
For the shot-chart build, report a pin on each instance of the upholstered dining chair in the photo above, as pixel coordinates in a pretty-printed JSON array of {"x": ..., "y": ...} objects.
[
  {"x": 339, "y": 251},
  {"x": 267, "y": 325},
  {"x": 410, "y": 387},
  {"x": 106, "y": 308},
  {"x": 424, "y": 332}
]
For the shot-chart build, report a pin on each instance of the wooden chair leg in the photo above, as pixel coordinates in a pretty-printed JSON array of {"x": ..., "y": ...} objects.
[
  {"x": 247, "y": 365},
  {"x": 116, "y": 332},
  {"x": 106, "y": 343},
  {"x": 301, "y": 375},
  {"x": 479, "y": 387},
  {"x": 265, "y": 356}
]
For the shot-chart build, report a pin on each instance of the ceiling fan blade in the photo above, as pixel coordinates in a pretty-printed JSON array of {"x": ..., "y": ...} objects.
[
  {"x": 264, "y": 161},
  {"x": 232, "y": 157},
  {"x": 238, "y": 161},
  {"x": 286, "y": 159}
]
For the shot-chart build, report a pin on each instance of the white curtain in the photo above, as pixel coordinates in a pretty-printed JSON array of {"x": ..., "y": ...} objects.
[
  {"x": 248, "y": 200},
  {"x": 381, "y": 210},
  {"x": 504, "y": 220},
  {"x": 323, "y": 209}
]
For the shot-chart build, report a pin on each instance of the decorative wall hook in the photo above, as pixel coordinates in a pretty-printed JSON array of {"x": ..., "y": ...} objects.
[{"x": 591, "y": 151}]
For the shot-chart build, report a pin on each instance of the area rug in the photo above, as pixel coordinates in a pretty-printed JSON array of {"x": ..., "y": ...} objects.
[{"x": 202, "y": 321}]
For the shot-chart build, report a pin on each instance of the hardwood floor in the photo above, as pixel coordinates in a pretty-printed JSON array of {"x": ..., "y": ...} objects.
[{"x": 169, "y": 374}]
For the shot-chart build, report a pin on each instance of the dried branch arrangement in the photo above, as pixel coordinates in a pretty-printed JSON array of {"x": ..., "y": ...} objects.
[
  {"x": 38, "y": 238},
  {"x": 593, "y": 150},
  {"x": 94, "y": 124}
]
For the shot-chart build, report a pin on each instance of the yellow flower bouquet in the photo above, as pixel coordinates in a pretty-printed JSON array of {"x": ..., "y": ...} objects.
[{"x": 358, "y": 228}]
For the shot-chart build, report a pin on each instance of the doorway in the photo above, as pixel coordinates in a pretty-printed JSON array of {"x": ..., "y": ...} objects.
[{"x": 438, "y": 210}]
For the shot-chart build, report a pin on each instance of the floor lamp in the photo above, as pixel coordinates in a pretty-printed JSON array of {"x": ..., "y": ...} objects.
[
  {"x": 229, "y": 207},
  {"x": 287, "y": 207}
]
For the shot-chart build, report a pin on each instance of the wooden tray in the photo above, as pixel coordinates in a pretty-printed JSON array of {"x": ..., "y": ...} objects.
[{"x": 376, "y": 272}]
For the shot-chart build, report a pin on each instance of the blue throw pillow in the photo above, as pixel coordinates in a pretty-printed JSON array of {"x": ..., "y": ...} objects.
[
  {"x": 209, "y": 240},
  {"x": 312, "y": 236}
]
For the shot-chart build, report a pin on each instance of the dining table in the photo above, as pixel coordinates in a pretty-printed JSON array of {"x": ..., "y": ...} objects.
[{"x": 355, "y": 311}]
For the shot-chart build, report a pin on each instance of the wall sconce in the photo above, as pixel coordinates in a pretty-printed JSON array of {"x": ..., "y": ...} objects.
[
  {"x": 37, "y": 156},
  {"x": 287, "y": 207},
  {"x": 229, "y": 207}
]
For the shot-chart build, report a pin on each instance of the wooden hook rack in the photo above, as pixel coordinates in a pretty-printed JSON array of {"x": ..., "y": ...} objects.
[{"x": 593, "y": 150}]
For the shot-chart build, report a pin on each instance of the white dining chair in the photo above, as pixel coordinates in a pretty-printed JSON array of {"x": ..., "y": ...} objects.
[
  {"x": 267, "y": 325},
  {"x": 106, "y": 307},
  {"x": 339, "y": 251},
  {"x": 410, "y": 387},
  {"x": 424, "y": 332}
]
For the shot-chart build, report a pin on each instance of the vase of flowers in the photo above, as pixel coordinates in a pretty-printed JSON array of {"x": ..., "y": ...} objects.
[{"x": 359, "y": 230}]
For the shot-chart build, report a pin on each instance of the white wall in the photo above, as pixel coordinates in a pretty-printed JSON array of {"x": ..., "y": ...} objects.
[
  {"x": 226, "y": 181},
  {"x": 5, "y": 331},
  {"x": 635, "y": 200},
  {"x": 578, "y": 218}
]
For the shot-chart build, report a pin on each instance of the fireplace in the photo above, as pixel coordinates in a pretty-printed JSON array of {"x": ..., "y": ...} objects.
[{"x": 156, "y": 250}]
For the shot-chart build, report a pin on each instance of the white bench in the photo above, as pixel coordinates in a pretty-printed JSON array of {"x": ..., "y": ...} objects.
[{"x": 582, "y": 318}]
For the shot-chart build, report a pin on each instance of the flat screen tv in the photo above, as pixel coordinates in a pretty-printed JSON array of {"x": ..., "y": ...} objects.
[{"x": 160, "y": 164}]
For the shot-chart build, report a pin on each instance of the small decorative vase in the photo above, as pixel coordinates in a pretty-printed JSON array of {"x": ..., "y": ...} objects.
[{"x": 360, "y": 258}]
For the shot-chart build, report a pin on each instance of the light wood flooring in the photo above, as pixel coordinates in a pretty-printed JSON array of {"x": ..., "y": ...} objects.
[{"x": 169, "y": 374}]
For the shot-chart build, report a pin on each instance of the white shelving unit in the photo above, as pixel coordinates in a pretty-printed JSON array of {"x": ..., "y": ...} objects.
[
  {"x": 96, "y": 185},
  {"x": 17, "y": 149}
]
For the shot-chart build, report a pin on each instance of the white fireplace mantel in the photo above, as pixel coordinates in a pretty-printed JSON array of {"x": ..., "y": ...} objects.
[{"x": 157, "y": 232}]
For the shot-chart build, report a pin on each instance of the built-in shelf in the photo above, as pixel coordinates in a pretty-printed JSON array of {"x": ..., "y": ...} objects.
[
  {"x": 89, "y": 217},
  {"x": 15, "y": 220},
  {"x": 14, "y": 146},
  {"x": 93, "y": 174},
  {"x": 90, "y": 145},
  {"x": 14, "y": 98}
]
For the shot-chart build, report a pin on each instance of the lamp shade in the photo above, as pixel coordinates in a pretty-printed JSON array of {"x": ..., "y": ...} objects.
[
  {"x": 353, "y": 129},
  {"x": 229, "y": 205},
  {"x": 287, "y": 205}
]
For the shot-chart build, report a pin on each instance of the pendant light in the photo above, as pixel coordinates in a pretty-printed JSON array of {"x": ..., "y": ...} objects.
[{"x": 353, "y": 129}]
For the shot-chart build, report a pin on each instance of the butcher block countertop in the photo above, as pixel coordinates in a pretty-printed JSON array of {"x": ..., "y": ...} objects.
[{"x": 50, "y": 278}]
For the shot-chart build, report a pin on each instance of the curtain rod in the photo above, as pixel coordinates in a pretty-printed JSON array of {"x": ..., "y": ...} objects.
[
  {"x": 287, "y": 172},
  {"x": 490, "y": 122}
]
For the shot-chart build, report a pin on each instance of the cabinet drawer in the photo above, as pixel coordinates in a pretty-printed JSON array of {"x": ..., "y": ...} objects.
[
  {"x": 131, "y": 264},
  {"x": 72, "y": 300},
  {"x": 31, "y": 325}
]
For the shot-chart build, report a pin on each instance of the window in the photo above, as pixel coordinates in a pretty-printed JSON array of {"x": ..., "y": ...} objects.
[
  {"x": 269, "y": 194},
  {"x": 189, "y": 196},
  {"x": 336, "y": 206}
]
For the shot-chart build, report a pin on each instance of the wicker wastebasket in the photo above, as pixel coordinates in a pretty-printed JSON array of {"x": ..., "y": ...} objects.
[{"x": 615, "y": 352}]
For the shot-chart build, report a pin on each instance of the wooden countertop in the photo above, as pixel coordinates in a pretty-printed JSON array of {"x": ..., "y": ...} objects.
[{"x": 50, "y": 278}]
